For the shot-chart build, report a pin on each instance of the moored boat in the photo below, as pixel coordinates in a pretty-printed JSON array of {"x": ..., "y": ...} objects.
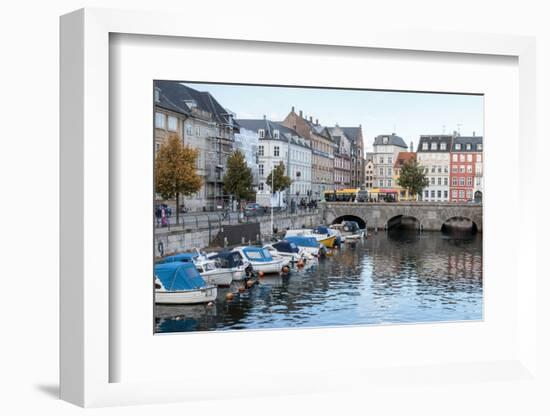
[
  {"x": 350, "y": 230},
  {"x": 181, "y": 283},
  {"x": 233, "y": 261},
  {"x": 260, "y": 259},
  {"x": 307, "y": 243},
  {"x": 327, "y": 240},
  {"x": 288, "y": 249},
  {"x": 206, "y": 267}
]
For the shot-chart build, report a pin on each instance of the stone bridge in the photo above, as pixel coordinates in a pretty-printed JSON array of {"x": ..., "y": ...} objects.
[{"x": 429, "y": 216}]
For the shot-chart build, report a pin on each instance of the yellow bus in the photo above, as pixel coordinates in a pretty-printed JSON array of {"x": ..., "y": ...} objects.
[{"x": 347, "y": 195}]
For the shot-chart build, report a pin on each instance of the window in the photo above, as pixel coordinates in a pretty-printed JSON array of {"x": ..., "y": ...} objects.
[
  {"x": 469, "y": 181},
  {"x": 461, "y": 181},
  {"x": 478, "y": 181},
  {"x": 462, "y": 158},
  {"x": 433, "y": 169},
  {"x": 275, "y": 134},
  {"x": 462, "y": 169},
  {"x": 261, "y": 186},
  {"x": 446, "y": 181},
  {"x": 457, "y": 146},
  {"x": 469, "y": 194},
  {"x": 479, "y": 158},
  {"x": 198, "y": 131},
  {"x": 389, "y": 171},
  {"x": 157, "y": 146},
  {"x": 454, "y": 193},
  {"x": 425, "y": 146},
  {"x": 455, "y": 181},
  {"x": 160, "y": 121},
  {"x": 455, "y": 169},
  {"x": 260, "y": 150},
  {"x": 426, "y": 194},
  {"x": 469, "y": 168},
  {"x": 261, "y": 133},
  {"x": 432, "y": 194},
  {"x": 446, "y": 169},
  {"x": 381, "y": 171},
  {"x": 439, "y": 169},
  {"x": 390, "y": 160},
  {"x": 469, "y": 158},
  {"x": 468, "y": 146},
  {"x": 172, "y": 123},
  {"x": 432, "y": 180},
  {"x": 446, "y": 194},
  {"x": 461, "y": 194},
  {"x": 276, "y": 151},
  {"x": 381, "y": 183},
  {"x": 455, "y": 157},
  {"x": 443, "y": 146},
  {"x": 439, "y": 194},
  {"x": 434, "y": 146},
  {"x": 157, "y": 95},
  {"x": 389, "y": 183},
  {"x": 261, "y": 169},
  {"x": 439, "y": 181},
  {"x": 189, "y": 129},
  {"x": 381, "y": 159},
  {"x": 479, "y": 147}
]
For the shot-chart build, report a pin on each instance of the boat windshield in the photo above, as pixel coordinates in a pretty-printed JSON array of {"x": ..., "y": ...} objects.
[{"x": 254, "y": 255}]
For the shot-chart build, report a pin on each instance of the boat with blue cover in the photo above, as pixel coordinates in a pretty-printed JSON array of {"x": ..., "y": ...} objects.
[
  {"x": 308, "y": 243},
  {"x": 285, "y": 248},
  {"x": 261, "y": 260},
  {"x": 327, "y": 239},
  {"x": 207, "y": 268},
  {"x": 181, "y": 283},
  {"x": 233, "y": 261}
]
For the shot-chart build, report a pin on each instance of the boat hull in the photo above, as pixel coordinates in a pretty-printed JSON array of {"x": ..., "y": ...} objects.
[
  {"x": 274, "y": 266},
  {"x": 328, "y": 242},
  {"x": 218, "y": 277},
  {"x": 186, "y": 297}
]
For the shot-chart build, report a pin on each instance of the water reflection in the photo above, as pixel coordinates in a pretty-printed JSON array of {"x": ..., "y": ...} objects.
[{"x": 389, "y": 278}]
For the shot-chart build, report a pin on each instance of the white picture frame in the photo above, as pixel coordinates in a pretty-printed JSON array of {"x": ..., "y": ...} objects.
[{"x": 85, "y": 344}]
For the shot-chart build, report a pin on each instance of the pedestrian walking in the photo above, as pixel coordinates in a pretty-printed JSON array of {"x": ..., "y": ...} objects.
[{"x": 164, "y": 220}]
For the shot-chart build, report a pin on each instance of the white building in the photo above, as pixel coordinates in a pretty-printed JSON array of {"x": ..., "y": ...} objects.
[
  {"x": 433, "y": 154},
  {"x": 247, "y": 141},
  {"x": 386, "y": 149},
  {"x": 279, "y": 144}
]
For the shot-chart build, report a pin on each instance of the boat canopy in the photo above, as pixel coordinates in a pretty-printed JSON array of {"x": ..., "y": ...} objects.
[
  {"x": 181, "y": 257},
  {"x": 176, "y": 276},
  {"x": 228, "y": 259},
  {"x": 257, "y": 254},
  {"x": 303, "y": 241},
  {"x": 351, "y": 226},
  {"x": 322, "y": 229},
  {"x": 286, "y": 246}
]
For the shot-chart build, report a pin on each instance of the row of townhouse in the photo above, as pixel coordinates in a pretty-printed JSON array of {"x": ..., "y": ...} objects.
[
  {"x": 317, "y": 158},
  {"x": 453, "y": 165}
]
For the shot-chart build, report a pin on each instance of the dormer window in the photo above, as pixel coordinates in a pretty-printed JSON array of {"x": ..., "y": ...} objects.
[
  {"x": 190, "y": 103},
  {"x": 157, "y": 95},
  {"x": 479, "y": 147},
  {"x": 443, "y": 146},
  {"x": 468, "y": 146},
  {"x": 275, "y": 134},
  {"x": 457, "y": 146},
  {"x": 385, "y": 140},
  {"x": 425, "y": 146},
  {"x": 261, "y": 133},
  {"x": 434, "y": 146}
]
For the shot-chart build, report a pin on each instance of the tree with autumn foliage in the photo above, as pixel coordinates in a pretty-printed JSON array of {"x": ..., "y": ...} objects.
[
  {"x": 412, "y": 178},
  {"x": 175, "y": 171},
  {"x": 238, "y": 180}
]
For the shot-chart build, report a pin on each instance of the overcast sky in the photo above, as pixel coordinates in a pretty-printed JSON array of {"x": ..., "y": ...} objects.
[{"x": 407, "y": 114}]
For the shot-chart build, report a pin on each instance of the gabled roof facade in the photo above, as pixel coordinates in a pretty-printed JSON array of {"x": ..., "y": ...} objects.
[
  {"x": 286, "y": 134},
  {"x": 435, "y": 143},
  {"x": 468, "y": 144},
  {"x": 389, "y": 139}
]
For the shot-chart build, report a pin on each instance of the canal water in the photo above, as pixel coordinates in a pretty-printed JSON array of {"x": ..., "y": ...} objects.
[{"x": 400, "y": 277}]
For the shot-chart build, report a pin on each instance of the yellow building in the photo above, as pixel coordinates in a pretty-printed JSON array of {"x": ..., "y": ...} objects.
[{"x": 402, "y": 158}]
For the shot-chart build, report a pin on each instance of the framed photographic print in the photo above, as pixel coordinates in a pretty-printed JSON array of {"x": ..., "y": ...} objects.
[{"x": 301, "y": 199}]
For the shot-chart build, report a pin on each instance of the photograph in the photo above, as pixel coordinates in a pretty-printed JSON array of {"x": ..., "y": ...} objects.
[{"x": 284, "y": 206}]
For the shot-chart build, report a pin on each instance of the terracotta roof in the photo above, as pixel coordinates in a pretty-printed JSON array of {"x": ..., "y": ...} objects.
[{"x": 404, "y": 157}]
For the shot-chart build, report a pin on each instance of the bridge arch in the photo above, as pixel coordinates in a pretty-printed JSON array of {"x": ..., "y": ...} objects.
[
  {"x": 362, "y": 223},
  {"x": 459, "y": 224},
  {"x": 403, "y": 221}
]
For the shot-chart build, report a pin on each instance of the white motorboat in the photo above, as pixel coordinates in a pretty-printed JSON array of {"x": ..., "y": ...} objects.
[
  {"x": 261, "y": 260},
  {"x": 233, "y": 261},
  {"x": 350, "y": 230},
  {"x": 181, "y": 283},
  {"x": 289, "y": 250},
  {"x": 206, "y": 267},
  {"x": 309, "y": 244}
]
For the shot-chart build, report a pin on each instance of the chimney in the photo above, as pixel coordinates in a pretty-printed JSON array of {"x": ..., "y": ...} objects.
[
  {"x": 264, "y": 117},
  {"x": 310, "y": 119},
  {"x": 293, "y": 109},
  {"x": 412, "y": 146},
  {"x": 301, "y": 114},
  {"x": 474, "y": 134},
  {"x": 316, "y": 121}
]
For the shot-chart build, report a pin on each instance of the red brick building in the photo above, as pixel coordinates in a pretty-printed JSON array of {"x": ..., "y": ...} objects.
[{"x": 466, "y": 160}]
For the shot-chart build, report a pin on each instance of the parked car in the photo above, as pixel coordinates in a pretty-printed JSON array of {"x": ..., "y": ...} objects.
[{"x": 254, "y": 208}]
